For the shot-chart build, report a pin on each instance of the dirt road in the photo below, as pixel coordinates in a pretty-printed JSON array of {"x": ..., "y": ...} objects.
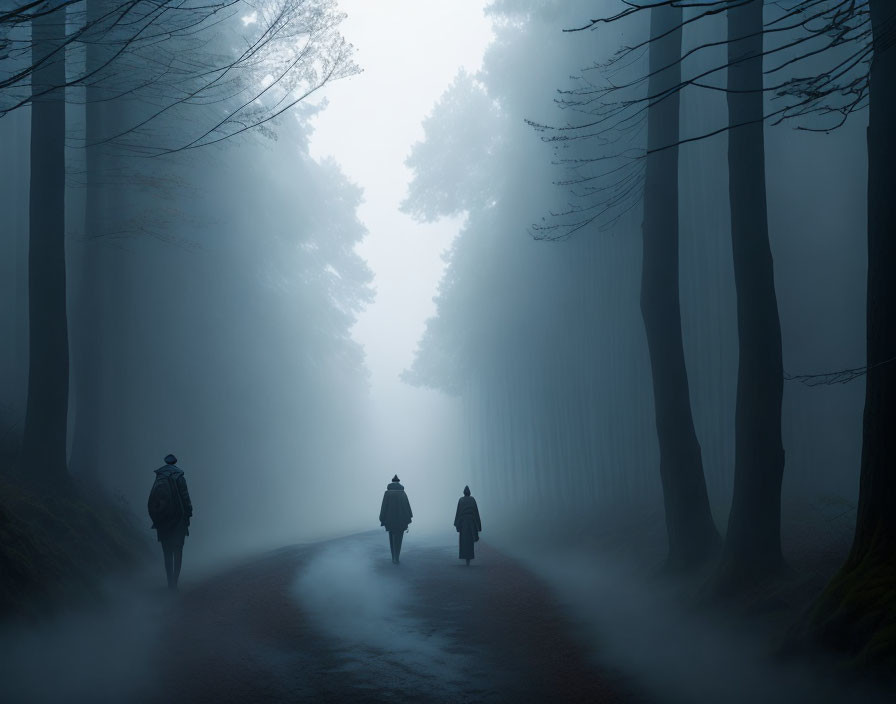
[{"x": 338, "y": 622}]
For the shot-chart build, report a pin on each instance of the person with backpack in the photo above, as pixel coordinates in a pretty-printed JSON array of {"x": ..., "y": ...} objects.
[
  {"x": 468, "y": 525},
  {"x": 395, "y": 515},
  {"x": 170, "y": 509}
]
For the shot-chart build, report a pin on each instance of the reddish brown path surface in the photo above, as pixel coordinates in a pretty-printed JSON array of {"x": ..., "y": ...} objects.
[{"x": 338, "y": 622}]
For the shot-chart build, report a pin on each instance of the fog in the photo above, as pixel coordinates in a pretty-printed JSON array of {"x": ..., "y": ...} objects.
[
  {"x": 252, "y": 307},
  {"x": 367, "y": 611},
  {"x": 102, "y": 654},
  {"x": 647, "y": 635},
  {"x": 392, "y": 277},
  {"x": 256, "y": 303}
]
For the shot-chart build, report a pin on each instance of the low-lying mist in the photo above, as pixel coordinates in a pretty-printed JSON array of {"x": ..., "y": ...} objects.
[
  {"x": 668, "y": 634},
  {"x": 102, "y": 653}
]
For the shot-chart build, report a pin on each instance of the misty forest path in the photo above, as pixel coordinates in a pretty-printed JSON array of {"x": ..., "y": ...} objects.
[{"x": 337, "y": 621}]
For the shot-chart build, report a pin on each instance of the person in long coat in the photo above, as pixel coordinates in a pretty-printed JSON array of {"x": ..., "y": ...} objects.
[
  {"x": 172, "y": 536},
  {"x": 395, "y": 515},
  {"x": 468, "y": 524}
]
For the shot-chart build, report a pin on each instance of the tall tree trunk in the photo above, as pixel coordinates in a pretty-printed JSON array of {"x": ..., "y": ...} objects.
[
  {"x": 753, "y": 542},
  {"x": 876, "y": 526},
  {"x": 43, "y": 453},
  {"x": 691, "y": 532},
  {"x": 857, "y": 611},
  {"x": 90, "y": 343}
]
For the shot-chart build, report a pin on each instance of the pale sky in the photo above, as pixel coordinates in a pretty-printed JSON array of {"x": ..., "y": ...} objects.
[{"x": 410, "y": 50}]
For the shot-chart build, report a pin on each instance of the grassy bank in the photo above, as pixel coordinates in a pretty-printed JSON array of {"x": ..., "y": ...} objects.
[{"x": 56, "y": 546}]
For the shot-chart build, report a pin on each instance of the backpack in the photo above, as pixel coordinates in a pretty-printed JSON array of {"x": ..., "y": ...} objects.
[{"x": 164, "y": 503}]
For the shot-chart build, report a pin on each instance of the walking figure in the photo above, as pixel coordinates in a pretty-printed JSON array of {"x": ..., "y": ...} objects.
[
  {"x": 170, "y": 509},
  {"x": 468, "y": 524},
  {"x": 395, "y": 515}
]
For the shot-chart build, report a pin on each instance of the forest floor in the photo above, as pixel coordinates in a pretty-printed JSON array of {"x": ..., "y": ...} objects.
[
  {"x": 672, "y": 634},
  {"x": 583, "y": 619},
  {"x": 334, "y": 621},
  {"x": 337, "y": 621}
]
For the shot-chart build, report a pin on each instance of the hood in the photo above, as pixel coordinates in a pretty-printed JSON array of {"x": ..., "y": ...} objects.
[
  {"x": 395, "y": 486},
  {"x": 169, "y": 470}
]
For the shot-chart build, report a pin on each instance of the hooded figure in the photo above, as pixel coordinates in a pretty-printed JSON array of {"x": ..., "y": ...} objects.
[
  {"x": 468, "y": 524},
  {"x": 176, "y": 526},
  {"x": 395, "y": 515}
]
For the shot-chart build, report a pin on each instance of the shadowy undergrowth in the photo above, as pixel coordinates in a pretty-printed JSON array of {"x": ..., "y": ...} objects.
[
  {"x": 855, "y": 617},
  {"x": 811, "y": 610},
  {"x": 57, "y": 545}
]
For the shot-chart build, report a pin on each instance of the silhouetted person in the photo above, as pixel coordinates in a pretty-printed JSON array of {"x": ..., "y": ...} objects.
[
  {"x": 395, "y": 515},
  {"x": 170, "y": 509},
  {"x": 468, "y": 524}
]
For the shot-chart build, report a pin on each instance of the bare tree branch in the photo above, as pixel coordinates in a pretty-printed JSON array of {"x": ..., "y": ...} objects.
[
  {"x": 835, "y": 31},
  {"x": 177, "y": 56}
]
